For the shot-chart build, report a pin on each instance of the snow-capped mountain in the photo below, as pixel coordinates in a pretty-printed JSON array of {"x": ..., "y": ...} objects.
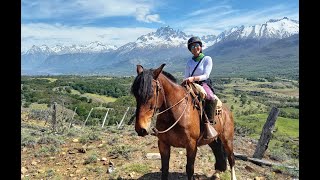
[
  {"x": 165, "y": 45},
  {"x": 44, "y": 49},
  {"x": 93, "y": 47},
  {"x": 164, "y": 37},
  {"x": 272, "y": 29}
]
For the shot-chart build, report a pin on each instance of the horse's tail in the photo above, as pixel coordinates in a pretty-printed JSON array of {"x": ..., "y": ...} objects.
[{"x": 220, "y": 155}]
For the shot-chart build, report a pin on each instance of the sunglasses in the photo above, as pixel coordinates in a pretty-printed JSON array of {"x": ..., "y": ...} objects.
[{"x": 194, "y": 46}]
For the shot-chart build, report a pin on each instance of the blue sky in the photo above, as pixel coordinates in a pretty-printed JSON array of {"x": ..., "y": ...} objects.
[{"x": 118, "y": 22}]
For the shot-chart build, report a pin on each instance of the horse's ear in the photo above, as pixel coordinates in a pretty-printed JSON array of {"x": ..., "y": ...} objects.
[
  {"x": 139, "y": 69},
  {"x": 158, "y": 71}
]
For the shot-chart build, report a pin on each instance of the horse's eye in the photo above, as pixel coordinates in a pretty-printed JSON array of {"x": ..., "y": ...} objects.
[{"x": 151, "y": 106}]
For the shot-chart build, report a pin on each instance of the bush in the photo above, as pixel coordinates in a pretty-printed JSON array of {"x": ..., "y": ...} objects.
[
  {"x": 50, "y": 140},
  {"x": 278, "y": 154},
  {"x": 91, "y": 159}
]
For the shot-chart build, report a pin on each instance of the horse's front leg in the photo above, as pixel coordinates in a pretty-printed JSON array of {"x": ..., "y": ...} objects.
[
  {"x": 165, "y": 157},
  {"x": 191, "y": 156}
]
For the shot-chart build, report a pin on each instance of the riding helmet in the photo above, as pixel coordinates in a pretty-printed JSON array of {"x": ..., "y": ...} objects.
[{"x": 194, "y": 39}]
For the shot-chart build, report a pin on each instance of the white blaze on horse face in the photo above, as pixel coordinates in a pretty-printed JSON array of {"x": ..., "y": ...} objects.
[{"x": 145, "y": 117}]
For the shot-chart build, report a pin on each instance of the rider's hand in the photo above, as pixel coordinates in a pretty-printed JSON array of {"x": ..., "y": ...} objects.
[{"x": 189, "y": 79}]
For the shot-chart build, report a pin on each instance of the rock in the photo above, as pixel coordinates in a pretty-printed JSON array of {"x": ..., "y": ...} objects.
[
  {"x": 259, "y": 178},
  {"x": 23, "y": 170},
  {"x": 75, "y": 140},
  {"x": 132, "y": 174},
  {"x": 250, "y": 169},
  {"x": 153, "y": 156},
  {"x": 100, "y": 145},
  {"x": 82, "y": 150},
  {"x": 110, "y": 168},
  {"x": 34, "y": 163},
  {"x": 71, "y": 175},
  {"x": 103, "y": 159},
  {"x": 71, "y": 151},
  {"x": 41, "y": 171}
]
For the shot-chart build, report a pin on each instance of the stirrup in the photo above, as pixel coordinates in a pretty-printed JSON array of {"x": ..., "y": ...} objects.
[{"x": 209, "y": 131}]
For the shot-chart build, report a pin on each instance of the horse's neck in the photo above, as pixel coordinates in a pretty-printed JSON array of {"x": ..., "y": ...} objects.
[{"x": 172, "y": 92}]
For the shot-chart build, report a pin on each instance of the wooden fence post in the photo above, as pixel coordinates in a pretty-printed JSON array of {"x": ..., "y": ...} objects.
[
  {"x": 54, "y": 117},
  {"x": 105, "y": 117},
  {"x": 87, "y": 117},
  {"x": 123, "y": 117},
  {"x": 266, "y": 133},
  {"x": 74, "y": 112}
]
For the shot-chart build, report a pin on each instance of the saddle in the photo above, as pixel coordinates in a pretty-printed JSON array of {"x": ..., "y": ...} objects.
[{"x": 199, "y": 95}]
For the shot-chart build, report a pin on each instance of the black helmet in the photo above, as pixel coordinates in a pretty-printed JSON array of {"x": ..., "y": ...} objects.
[{"x": 194, "y": 39}]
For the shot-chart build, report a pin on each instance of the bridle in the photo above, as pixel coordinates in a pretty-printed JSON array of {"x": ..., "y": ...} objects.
[{"x": 158, "y": 88}]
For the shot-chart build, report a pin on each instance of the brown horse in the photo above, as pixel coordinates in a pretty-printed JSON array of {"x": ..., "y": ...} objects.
[{"x": 178, "y": 122}]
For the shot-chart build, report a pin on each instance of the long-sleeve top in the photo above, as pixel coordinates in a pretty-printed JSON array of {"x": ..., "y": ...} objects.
[{"x": 203, "y": 70}]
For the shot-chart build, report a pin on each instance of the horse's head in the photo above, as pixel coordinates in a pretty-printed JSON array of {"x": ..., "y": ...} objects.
[{"x": 145, "y": 89}]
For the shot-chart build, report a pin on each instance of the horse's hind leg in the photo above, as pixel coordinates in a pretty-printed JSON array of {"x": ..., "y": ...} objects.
[
  {"x": 228, "y": 146},
  {"x": 220, "y": 155},
  {"x": 165, "y": 157},
  {"x": 191, "y": 156}
]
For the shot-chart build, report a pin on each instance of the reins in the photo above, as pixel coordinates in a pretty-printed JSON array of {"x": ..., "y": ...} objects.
[{"x": 156, "y": 132}]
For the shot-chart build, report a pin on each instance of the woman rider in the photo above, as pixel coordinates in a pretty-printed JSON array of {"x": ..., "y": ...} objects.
[{"x": 198, "y": 70}]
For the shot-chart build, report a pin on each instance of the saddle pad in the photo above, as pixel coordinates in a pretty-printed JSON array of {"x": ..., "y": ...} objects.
[
  {"x": 201, "y": 90},
  {"x": 219, "y": 103}
]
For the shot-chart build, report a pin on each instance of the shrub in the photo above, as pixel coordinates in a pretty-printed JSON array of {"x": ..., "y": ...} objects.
[
  {"x": 50, "y": 140},
  {"x": 91, "y": 159},
  {"x": 123, "y": 150}
]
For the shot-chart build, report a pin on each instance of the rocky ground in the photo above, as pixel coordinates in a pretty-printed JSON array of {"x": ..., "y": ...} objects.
[{"x": 121, "y": 154}]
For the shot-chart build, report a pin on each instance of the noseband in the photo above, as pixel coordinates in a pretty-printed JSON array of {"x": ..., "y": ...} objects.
[{"x": 158, "y": 88}]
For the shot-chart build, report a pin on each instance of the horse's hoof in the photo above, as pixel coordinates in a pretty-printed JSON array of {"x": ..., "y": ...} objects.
[{"x": 216, "y": 176}]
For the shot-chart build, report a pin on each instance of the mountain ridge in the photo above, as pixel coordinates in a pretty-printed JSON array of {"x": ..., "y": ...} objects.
[{"x": 164, "y": 45}]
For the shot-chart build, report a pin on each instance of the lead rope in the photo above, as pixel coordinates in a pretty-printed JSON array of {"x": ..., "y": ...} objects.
[{"x": 156, "y": 132}]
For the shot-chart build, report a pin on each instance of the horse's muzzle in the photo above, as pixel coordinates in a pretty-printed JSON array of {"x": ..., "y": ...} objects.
[{"x": 142, "y": 132}]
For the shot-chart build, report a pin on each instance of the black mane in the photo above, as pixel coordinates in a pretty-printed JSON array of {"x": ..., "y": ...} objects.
[
  {"x": 170, "y": 76},
  {"x": 142, "y": 84}
]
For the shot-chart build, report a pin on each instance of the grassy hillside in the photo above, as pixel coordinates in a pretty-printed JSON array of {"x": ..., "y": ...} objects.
[{"x": 250, "y": 99}]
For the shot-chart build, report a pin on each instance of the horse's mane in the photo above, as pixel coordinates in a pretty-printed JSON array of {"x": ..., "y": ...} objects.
[
  {"x": 170, "y": 76},
  {"x": 142, "y": 84}
]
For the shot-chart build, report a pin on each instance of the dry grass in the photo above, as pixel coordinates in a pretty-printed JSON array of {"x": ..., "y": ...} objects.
[{"x": 126, "y": 151}]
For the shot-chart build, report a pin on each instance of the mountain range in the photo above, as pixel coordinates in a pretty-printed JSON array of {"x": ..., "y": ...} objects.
[{"x": 270, "y": 48}]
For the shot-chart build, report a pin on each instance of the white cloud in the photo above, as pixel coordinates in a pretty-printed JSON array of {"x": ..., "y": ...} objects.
[
  {"x": 143, "y": 14},
  {"x": 89, "y": 9},
  {"x": 39, "y": 33},
  {"x": 204, "y": 22}
]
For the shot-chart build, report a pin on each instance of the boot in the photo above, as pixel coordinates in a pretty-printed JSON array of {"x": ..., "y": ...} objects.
[{"x": 210, "y": 108}]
